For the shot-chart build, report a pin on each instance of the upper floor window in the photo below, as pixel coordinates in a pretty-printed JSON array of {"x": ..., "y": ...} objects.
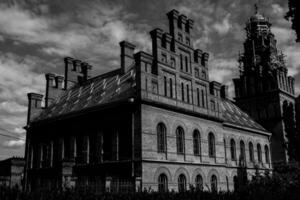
[
  {"x": 164, "y": 58},
  {"x": 197, "y": 72},
  {"x": 186, "y": 64},
  {"x": 202, "y": 98},
  {"x": 188, "y": 93},
  {"x": 161, "y": 138},
  {"x": 211, "y": 145},
  {"x": 181, "y": 183},
  {"x": 180, "y": 140},
  {"x": 198, "y": 97},
  {"x": 212, "y": 105},
  {"x": 242, "y": 149},
  {"x": 165, "y": 86},
  {"x": 171, "y": 87},
  {"x": 196, "y": 142},
  {"x": 182, "y": 91},
  {"x": 180, "y": 37},
  {"x": 162, "y": 183},
  {"x": 173, "y": 62},
  {"x": 259, "y": 153},
  {"x": 267, "y": 157},
  {"x": 251, "y": 152},
  {"x": 187, "y": 41},
  {"x": 181, "y": 61},
  {"x": 232, "y": 149}
]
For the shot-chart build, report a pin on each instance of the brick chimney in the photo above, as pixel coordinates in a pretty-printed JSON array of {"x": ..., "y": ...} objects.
[
  {"x": 34, "y": 106},
  {"x": 54, "y": 87},
  {"x": 76, "y": 72},
  {"x": 224, "y": 92},
  {"x": 127, "y": 58}
]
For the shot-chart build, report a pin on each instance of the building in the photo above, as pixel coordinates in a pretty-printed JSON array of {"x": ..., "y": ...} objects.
[
  {"x": 264, "y": 90},
  {"x": 12, "y": 172},
  {"x": 157, "y": 121}
]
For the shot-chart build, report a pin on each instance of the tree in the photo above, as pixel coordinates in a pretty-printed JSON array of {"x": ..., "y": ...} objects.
[{"x": 294, "y": 16}]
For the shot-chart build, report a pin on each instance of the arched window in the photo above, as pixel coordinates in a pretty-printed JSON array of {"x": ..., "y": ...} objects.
[
  {"x": 232, "y": 149},
  {"x": 235, "y": 182},
  {"x": 181, "y": 183},
  {"x": 180, "y": 140},
  {"x": 211, "y": 145},
  {"x": 242, "y": 149},
  {"x": 162, "y": 183},
  {"x": 251, "y": 152},
  {"x": 161, "y": 138},
  {"x": 267, "y": 154},
  {"x": 199, "y": 182},
  {"x": 214, "y": 183},
  {"x": 197, "y": 142},
  {"x": 259, "y": 152}
]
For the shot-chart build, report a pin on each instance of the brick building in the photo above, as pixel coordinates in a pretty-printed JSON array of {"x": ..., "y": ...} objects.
[
  {"x": 12, "y": 172},
  {"x": 157, "y": 121}
]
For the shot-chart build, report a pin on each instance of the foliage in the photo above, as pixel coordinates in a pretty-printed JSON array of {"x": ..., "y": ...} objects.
[
  {"x": 283, "y": 183},
  {"x": 294, "y": 15}
]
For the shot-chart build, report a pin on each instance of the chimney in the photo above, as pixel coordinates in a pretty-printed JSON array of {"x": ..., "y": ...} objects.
[
  {"x": 53, "y": 88},
  {"x": 34, "y": 106},
  {"x": 205, "y": 57},
  {"x": 127, "y": 58},
  {"x": 86, "y": 71},
  {"x": 224, "y": 91}
]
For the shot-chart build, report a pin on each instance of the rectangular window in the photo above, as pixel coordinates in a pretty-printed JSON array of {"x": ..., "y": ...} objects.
[
  {"x": 164, "y": 57},
  {"x": 171, "y": 88},
  {"x": 213, "y": 105},
  {"x": 187, "y": 41},
  {"x": 186, "y": 64},
  {"x": 198, "y": 97},
  {"x": 165, "y": 86},
  {"x": 197, "y": 72},
  {"x": 182, "y": 92},
  {"x": 181, "y": 62},
  {"x": 202, "y": 98},
  {"x": 188, "y": 93}
]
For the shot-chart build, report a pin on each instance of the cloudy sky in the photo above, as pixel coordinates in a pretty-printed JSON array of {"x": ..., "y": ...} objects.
[{"x": 35, "y": 35}]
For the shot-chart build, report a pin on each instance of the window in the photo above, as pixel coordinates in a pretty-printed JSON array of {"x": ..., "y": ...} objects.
[
  {"x": 212, "y": 105},
  {"x": 235, "y": 182},
  {"x": 267, "y": 154},
  {"x": 187, "y": 40},
  {"x": 162, "y": 183},
  {"x": 181, "y": 62},
  {"x": 180, "y": 140},
  {"x": 211, "y": 145},
  {"x": 202, "y": 97},
  {"x": 225, "y": 150},
  {"x": 188, "y": 93},
  {"x": 232, "y": 149},
  {"x": 186, "y": 64},
  {"x": 199, "y": 182},
  {"x": 196, "y": 142},
  {"x": 181, "y": 183},
  {"x": 182, "y": 92},
  {"x": 242, "y": 149},
  {"x": 251, "y": 152},
  {"x": 171, "y": 87},
  {"x": 197, "y": 72},
  {"x": 214, "y": 183},
  {"x": 165, "y": 85},
  {"x": 164, "y": 58},
  {"x": 173, "y": 62},
  {"x": 259, "y": 152},
  {"x": 198, "y": 97},
  {"x": 161, "y": 138},
  {"x": 180, "y": 37}
]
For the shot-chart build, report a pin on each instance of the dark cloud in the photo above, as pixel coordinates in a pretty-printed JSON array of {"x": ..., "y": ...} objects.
[{"x": 36, "y": 34}]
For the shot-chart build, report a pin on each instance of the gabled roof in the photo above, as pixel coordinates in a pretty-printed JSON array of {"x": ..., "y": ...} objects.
[
  {"x": 232, "y": 114},
  {"x": 94, "y": 92}
]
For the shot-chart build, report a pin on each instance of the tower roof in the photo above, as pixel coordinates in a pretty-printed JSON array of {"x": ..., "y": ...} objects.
[{"x": 257, "y": 16}]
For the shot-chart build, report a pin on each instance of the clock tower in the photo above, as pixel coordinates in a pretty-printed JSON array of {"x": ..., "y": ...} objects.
[{"x": 263, "y": 88}]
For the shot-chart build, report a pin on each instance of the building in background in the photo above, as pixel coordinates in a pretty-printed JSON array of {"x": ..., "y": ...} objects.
[
  {"x": 264, "y": 90},
  {"x": 156, "y": 122},
  {"x": 12, "y": 172}
]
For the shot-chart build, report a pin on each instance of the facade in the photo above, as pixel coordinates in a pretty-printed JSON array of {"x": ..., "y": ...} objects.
[
  {"x": 12, "y": 172},
  {"x": 156, "y": 122},
  {"x": 264, "y": 90}
]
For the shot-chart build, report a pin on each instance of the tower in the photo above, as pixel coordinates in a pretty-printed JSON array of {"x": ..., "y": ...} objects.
[{"x": 263, "y": 88}]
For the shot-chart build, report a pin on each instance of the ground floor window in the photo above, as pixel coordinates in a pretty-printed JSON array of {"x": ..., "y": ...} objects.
[
  {"x": 162, "y": 183},
  {"x": 181, "y": 183},
  {"x": 214, "y": 183},
  {"x": 199, "y": 182}
]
